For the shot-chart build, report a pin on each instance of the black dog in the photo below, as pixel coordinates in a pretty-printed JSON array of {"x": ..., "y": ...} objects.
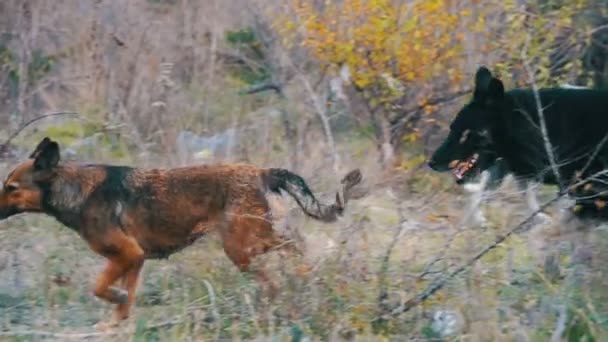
[{"x": 506, "y": 125}]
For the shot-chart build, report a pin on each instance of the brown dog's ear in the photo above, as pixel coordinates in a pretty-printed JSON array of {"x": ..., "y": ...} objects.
[
  {"x": 46, "y": 154},
  {"x": 41, "y": 145}
]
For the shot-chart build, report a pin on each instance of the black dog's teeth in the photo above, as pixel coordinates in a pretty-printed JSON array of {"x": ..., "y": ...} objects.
[{"x": 461, "y": 170}]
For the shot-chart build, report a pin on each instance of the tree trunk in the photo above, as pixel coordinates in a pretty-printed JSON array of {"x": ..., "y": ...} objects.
[
  {"x": 25, "y": 56},
  {"x": 321, "y": 112},
  {"x": 382, "y": 133},
  {"x": 387, "y": 150},
  {"x": 290, "y": 136}
]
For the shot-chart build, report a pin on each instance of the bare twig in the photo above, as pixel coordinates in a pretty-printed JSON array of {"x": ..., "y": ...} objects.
[
  {"x": 252, "y": 312},
  {"x": 324, "y": 69},
  {"x": 560, "y": 326},
  {"x": 382, "y": 295},
  {"x": 541, "y": 116},
  {"x": 258, "y": 88},
  {"x": 31, "y": 121},
  {"x": 410, "y": 112},
  {"x": 596, "y": 29},
  {"x": 319, "y": 107},
  {"x": 574, "y": 310},
  {"x": 597, "y": 150},
  {"x": 441, "y": 282},
  {"x": 214, "y": 311}
]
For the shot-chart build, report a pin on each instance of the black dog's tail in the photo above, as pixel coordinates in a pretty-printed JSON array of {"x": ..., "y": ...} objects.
[{"x": 276, "y": 180}]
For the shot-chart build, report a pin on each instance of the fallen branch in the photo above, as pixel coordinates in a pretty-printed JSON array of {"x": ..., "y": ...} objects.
[{"x": 441, "y": 282}]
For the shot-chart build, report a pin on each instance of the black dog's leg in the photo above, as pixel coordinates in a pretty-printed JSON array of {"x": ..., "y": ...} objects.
[
  {"x": 477, "y": 189},
  {"x": 529, "y": 188}
]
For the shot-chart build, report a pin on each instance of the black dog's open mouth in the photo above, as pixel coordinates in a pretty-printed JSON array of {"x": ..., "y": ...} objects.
[{"x": 462, "y": 168}]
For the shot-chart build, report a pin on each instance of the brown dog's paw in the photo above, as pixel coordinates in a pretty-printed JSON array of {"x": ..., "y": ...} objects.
[
  {"x": 119, "y": 295},
  {"x": 104, "y": 326}
]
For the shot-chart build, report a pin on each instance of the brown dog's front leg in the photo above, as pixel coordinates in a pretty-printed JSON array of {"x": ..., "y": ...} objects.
[
  {"x": 125, "y": 260},
  {"x": 110, "y": 274},
  {"x": 130, "y": 285}
]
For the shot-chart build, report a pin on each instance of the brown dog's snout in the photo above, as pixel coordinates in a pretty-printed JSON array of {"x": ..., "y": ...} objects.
[{"x": 6, "y": 212}]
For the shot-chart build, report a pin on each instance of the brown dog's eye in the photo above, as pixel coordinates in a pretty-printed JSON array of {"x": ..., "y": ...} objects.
[{"x": 10, "y": 187}]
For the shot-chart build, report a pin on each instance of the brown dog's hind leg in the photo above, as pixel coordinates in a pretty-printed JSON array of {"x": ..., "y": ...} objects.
[{"x": 247, "y": 235}]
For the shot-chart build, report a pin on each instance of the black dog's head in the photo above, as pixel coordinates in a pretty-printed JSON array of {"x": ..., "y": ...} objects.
[{"x": 468, "y": 147}]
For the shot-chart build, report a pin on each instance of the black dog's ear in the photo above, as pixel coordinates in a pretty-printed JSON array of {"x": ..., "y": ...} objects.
[
  {"x": 483, "y": 76},
  {"x": 496, "y": 91},
  {"x": 46, "y": 154}
]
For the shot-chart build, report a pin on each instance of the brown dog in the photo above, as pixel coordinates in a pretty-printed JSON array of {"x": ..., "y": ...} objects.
[{"x": 128, "y": 214}]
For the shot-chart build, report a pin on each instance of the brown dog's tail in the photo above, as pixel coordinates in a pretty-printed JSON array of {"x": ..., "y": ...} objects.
[{"x": 281, "y": 179}]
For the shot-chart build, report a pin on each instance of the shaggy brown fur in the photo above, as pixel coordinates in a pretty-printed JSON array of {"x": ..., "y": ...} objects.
[{"x": 129, "y": 214}]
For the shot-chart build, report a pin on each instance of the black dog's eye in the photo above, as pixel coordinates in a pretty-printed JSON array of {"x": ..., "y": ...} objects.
[{"x": 464, "y": 136}]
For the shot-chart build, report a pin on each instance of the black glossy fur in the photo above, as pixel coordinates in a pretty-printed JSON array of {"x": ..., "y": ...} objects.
[{"x": 507, "y": 125}]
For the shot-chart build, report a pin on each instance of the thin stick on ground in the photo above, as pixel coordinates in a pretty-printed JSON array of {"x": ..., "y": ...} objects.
[
  {"x": 383, "y": 294},
  {"x": 214, "y": 310},
  {"x": 442, "y": 281}
]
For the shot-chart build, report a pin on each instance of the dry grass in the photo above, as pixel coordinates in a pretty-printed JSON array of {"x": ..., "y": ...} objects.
[
  {"x": 112, "y": 66},
  {"x": 46, "y": 272}
]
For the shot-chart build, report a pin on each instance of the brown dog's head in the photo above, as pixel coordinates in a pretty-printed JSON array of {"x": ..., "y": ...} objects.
[{"x": 22, "y": 190}]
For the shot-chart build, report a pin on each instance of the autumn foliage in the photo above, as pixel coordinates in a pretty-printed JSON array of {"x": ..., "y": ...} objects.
[
  {"x": 379, "y": 40},
  {"x": 415, "y": 56}
]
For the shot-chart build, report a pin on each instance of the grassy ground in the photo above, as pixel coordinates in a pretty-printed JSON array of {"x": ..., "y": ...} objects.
[{"x": 545, "y": 279}]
